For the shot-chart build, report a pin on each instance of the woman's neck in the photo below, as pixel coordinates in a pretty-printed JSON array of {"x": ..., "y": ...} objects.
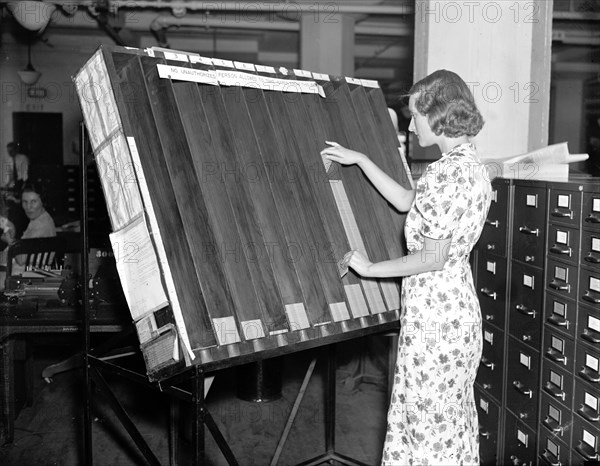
[{"x": 447, "y": 144}]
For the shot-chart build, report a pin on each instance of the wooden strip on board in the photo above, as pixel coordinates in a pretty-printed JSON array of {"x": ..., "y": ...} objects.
[
  {"x": 243, "y": 176},
  {"x": 139, "y": 124},
  {"x": 202, "y": 201},
  {"x": 315, "y": 198},
  {"x": 282, "y": 177}
]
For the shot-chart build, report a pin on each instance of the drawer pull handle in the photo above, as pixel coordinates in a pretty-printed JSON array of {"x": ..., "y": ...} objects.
[
  {"x": 491, "y": 247},
  {"x": 522, "y": 389},
  {"x": 592, "y": 219},
  {"x": 589, "y": 336},
  {"x": 485, "y": 434},
  {"x": 493, "y": 223},
  {"x": 590, "y": 456},
  {"x": 554, "y": 426},
  {"x": 515, "y": 460},
  {"x": 590, "y": 376},
  {"x": 488, "y": 364},
  {"x": 558, "y": 321},
  {"x": 529, "y": 258},
  {"x": 529, "y": 231},
  {"x": 556, "y": 356},
  {"x": 588, "y": 297},
  {"x": 556, "y": 285},
  {"x": 589, "y": 414},
  {"x": 525, "y": 310},
  {"x": 489, "y": 293},
  {"x": 562, "y": 214},
  {"x": 554, "y": 391},
  {"x": 487, "y": 386},
  {"x": 489, "y": 317},
  {"x": 550, "y": 458},
  {"x": 592, "y": 258},
  {"x": 526, "y": 337},
  {"x": 560, "y": 250}
]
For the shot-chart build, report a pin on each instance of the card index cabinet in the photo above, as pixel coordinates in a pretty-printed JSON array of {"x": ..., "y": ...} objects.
[
  {"x": 213, "y": 176},
  {"x": 538, "y": 385}
]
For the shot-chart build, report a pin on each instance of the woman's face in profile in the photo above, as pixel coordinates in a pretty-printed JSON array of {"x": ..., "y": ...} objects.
[
  {"x": 32, "y": 205},
  {"x": 419, "y": 124}
]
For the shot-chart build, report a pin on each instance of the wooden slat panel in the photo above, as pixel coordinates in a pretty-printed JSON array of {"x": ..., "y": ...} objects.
[
  {"x": 195, "y": 301},
  {"x": 220, "y": 170}
]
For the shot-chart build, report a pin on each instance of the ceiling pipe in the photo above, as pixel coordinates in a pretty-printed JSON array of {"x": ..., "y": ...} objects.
[{"x": 264, "y": 7}]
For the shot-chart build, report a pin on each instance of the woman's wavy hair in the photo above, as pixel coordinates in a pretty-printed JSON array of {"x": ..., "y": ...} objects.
[{"x": 448, "y": 104}]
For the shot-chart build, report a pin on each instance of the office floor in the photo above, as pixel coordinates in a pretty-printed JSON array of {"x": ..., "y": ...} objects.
[{"x": 50, "y": 431}]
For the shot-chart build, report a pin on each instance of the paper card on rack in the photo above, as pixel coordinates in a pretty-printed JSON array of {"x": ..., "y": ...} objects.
[{"x": 138, "y": 268}]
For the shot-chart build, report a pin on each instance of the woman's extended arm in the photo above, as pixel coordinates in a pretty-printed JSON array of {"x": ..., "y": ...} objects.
[
  {"x": 400, "y": 197},
  {"x": 431, "y": 257}
]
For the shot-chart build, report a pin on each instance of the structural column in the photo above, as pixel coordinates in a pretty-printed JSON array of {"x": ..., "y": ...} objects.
[
  {"x": 503, "y": 50},
  {"x": 327, "y": 43}
]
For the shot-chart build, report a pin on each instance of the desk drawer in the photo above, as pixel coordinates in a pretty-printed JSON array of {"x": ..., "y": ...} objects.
[
  {"x": 586, "y": 402},
  {"x": 561, "y": 278},
  {"x": 563, "y": 243},
  {"x": 561, "y": 314},
  {"x": 522, "y": 381},
  {"x": 556, "y": 418},
  {"x": 491, "y": 288},
  {"x": 519, "y": 443},
  {"x": 557, "y": 383},
  {"x": 589, "y": 286},
  {"x": 565, "y": 207},
  {"x": 525, "y": 314},
  {"x": 529, "y": 225},
  {"x": 590, "y": 248},
  {"x": 588, "y": 325}
]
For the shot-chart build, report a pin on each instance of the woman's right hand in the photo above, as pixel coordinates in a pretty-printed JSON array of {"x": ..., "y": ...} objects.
[{"x": 342, "y": 155}]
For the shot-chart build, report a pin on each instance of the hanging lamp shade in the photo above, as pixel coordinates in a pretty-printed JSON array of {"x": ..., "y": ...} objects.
[
  {"x": 32, "y": 15},
  {"x": 29, "y": 75}
]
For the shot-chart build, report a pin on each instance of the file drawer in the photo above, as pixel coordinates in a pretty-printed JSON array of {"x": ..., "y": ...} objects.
[
  {"x": 591, "y": 210},
  {"x": 552, "y": 451},
  {"x": 586, "y": 402},
  {"x": 563, "y": 243},
  {"x": 559, "y": 349},
  {"x": 590, "y": 248},
  {"x": 494, "y": 237},
  {"x": 488, "y": 413},
  {"x": 564, "y": 206},
  {"x": 522, "y": 381},
  {"x": 491, "y": 288},
  {"x": 520, "y": 445},
  {"x": 557, "y": 383},
  {"x": 587, "y": 364},
  {"x": 556, "y": 418},
  {"x": 526, "y": 304},
  {"x": 589, "y": 287},
  {"x": 491, "y": 366},
  {"x": 588, "y": 325},
  {"x": 561, "y": 278},
  {"x": 529, "y": 225},
  {"x": 585, "y": 440},
  {"x": 561, "y": 314}
]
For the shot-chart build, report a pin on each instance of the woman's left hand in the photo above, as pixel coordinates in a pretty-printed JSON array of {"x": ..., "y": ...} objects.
[{"x": 358, "y": 262}]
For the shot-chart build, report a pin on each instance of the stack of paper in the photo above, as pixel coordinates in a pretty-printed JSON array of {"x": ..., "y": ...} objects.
[{"x": 548, "y": 163}]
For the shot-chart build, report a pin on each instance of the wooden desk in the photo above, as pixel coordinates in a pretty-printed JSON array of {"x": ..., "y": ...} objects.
[{"x": 35, "y": 316}]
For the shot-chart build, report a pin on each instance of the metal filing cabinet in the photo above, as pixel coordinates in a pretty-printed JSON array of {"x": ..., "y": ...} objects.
[
  {"x": 537, "y": 274},
  {"x": 569, "y": 413}
]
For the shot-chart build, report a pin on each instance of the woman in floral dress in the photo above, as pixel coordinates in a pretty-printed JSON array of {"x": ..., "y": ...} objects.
[{"x": 432, "y": 419}]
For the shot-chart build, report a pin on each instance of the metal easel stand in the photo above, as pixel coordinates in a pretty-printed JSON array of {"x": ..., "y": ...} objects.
[{"x": 330, "y": 456}]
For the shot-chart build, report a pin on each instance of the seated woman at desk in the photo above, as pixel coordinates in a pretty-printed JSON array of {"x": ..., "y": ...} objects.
[{"x": 41, "y": 224}]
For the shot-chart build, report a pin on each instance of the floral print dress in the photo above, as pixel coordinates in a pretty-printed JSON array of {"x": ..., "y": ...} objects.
[{"x": 432, "y": 419}]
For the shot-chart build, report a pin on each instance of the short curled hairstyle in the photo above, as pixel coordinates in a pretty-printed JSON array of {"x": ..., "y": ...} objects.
[{"x": 444, "y": 98}]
